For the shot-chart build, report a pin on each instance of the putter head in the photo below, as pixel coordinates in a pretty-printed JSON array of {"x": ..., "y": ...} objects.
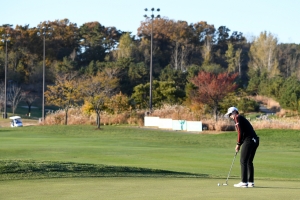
[{"x": 225, "y": 184}]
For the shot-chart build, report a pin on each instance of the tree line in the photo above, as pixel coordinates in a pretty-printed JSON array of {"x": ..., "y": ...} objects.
[{"x": 181, "y": 53}]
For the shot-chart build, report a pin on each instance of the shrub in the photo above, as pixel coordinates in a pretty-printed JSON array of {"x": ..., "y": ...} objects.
[{"x": 76, "y": 115}]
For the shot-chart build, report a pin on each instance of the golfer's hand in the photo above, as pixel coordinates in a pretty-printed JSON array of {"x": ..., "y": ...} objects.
[{"x": 237, "y": 148}]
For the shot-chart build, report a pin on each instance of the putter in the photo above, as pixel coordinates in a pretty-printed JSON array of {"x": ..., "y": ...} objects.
[{"x": 230, "y": 169}]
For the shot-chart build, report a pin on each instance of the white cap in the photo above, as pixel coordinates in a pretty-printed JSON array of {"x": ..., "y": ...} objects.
[{"x": 230, "y": 110}]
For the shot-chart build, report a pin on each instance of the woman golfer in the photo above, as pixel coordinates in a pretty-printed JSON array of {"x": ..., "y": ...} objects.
[{"x": 250, "y": 141}]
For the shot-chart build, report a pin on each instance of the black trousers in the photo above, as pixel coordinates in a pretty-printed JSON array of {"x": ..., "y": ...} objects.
[{"x": 247, "y": 156}]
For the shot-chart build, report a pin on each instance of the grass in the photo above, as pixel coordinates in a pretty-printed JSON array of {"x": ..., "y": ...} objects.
[
  {"x": 35, "y": 113},
  {"x": 143, "y": 160},
  {"x": 143, "y": 188}
]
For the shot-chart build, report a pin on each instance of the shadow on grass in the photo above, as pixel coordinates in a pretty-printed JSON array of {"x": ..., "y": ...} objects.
[{"x": 28, "y": 169}]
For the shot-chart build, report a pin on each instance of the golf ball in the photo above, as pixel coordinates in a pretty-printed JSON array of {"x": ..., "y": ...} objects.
[{"x": 218, "y": 184}]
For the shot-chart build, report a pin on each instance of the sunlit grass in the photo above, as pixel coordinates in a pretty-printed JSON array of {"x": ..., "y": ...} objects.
[{"x": 138, "y": 148}]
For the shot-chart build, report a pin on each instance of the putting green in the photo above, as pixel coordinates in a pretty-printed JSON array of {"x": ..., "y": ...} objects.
[{"x": 144, "y": 188}]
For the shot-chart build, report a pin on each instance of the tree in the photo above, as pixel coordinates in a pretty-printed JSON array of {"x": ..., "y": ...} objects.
[
  {"x": 263, "y": 54},
  {"x": 179, "y": 35},
  {"x": 241, "y": 100},
  {"x": 14, "y": 96},
  {"x": 138, "y": 74},
  {"x": 254, "y": 83},
  {"x": 163, "y": 92},
  {"x": 207, "y": 50},
  {"x": 97, "y": 91},
  {"x": 170, "y": 74},
  {"x": 290, "y": 94},
  {"x": 97, "y": 41},
  {"x": 212, "y": 88},
  {"x": 126, "y": 47},
  {"x": 230, "y": 58},
  {"x": 238, "y": 61},
  {"x": 29, "y": 98},
  {"x": 233, "y": 58},
  {"x": 119, "y": 103},
  {"x": 2, "y": 95},
  {"x": 64, "y": 93},
  {"x": 289, "y": 59}
]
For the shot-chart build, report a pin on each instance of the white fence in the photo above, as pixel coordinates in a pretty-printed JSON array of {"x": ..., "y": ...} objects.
[{"x": 167, "y": 123}]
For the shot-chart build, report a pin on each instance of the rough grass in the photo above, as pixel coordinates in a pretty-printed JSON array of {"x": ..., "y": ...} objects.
[{"x": 30, "y": 169}]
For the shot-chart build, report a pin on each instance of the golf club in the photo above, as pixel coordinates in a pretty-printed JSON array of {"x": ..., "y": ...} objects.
[{"x": 230, "y": 170}]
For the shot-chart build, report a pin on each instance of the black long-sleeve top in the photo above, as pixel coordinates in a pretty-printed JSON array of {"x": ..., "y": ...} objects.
[{"x": 244, "y": 129}]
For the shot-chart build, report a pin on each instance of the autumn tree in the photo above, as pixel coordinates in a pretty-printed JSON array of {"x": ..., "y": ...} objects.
[
  {"x": 97, "y": 91},
  {"x": 126, "y": 47},
  {"x": 212, "y": 88},
  {"x": 118, "y": 104},
  {"x": 64, "y": 93},
  {"x": 179, "y": 34},
  {"x": 263, "y": 54}
]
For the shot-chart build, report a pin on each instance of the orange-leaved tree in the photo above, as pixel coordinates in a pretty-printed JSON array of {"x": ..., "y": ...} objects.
[
  {"x": 212, "y": 88},
  {"x": 64, "y": 93}
]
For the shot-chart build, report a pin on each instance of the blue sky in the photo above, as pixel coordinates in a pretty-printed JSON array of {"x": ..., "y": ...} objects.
[{"x": 251, "y": 17}]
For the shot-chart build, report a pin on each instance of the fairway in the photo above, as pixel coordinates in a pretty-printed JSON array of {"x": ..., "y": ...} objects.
[
  {"x": 143, "y": 188},
  {"x": 79, "y": 162}
]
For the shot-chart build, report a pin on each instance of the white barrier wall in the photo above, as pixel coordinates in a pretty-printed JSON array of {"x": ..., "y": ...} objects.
[
  {"x": 166, "y": 123},
  {"x": 151, "y": 121},
  {"x": 179, "y": 125},
  {"x": 194, "y": 126}
]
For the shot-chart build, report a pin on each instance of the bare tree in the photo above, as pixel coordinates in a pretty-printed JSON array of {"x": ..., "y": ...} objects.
[
  {"x": 175, "y": 56},
  {"x": 14, "y": 96},
  {"x": 2, "y": 96},
  {"x": 179, "y": 56}
]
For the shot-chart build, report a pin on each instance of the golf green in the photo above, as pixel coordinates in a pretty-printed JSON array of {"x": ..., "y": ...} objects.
[
  {"x": 80, "y": 162},
  {"x": 144, "y": 188}
]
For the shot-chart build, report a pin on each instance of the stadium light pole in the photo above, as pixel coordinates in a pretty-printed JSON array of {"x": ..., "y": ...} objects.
[
  {"x": 43, "y": 32},
  {"x": 5, "y": 39},
  {"x": 151, "y": 69}
]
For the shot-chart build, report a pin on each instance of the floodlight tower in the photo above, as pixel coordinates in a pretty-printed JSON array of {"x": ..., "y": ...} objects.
[
  {"x": 5, "y": 39},
  {"x": 45, "y": 30},
  {"x": 151, "y": 18}
]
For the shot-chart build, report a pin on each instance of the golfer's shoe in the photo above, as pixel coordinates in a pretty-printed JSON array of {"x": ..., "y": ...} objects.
[
  {"x": 241, "y": 184},
  {"x": 250, "y": 184}
]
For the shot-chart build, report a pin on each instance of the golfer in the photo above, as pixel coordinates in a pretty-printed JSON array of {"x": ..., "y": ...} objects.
[{"x": 250, "y": 141}]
